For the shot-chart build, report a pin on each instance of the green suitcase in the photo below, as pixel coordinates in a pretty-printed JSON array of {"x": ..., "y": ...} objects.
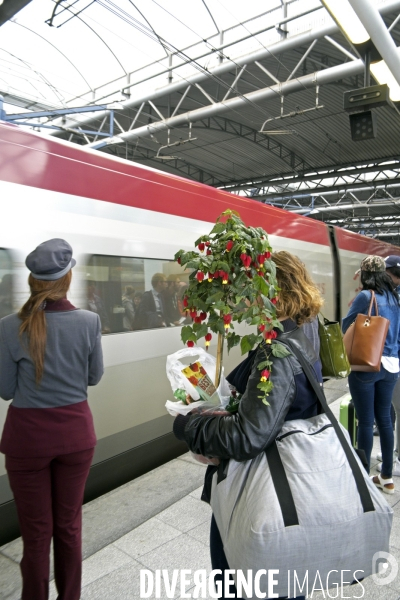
[{"x": 348, "y": 418}]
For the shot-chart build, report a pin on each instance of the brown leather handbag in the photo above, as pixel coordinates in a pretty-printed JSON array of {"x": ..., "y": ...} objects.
[{"x": 365, "y": 338}]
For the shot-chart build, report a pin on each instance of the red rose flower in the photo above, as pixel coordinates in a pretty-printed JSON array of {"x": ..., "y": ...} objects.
[
  {"x": 208, "y": 337},
  {"x": 201, "y": 246},
  {"x": 199, "y": 276},
  {"x": 265, "y": 373},
  {"x": 185, "y": 302},
  {"x": 229, "y": 245},
  {"x": 203, "y": 316},
  {"x": 190, "y": 344}
]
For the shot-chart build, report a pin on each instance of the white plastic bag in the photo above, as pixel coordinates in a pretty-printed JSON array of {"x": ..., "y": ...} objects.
[{"x": 177, "y": 380}]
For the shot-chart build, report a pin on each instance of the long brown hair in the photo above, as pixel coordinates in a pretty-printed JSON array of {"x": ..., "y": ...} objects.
[
  {"x": 34, "y": 320},
  {"x": 299, "y": 298}
]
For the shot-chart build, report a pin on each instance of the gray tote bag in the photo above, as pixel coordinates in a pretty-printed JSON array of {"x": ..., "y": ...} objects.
[{"x": 305, "y": 507}]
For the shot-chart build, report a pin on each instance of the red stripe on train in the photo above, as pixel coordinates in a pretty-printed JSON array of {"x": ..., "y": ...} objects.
[{"x": 46, "y": 163}]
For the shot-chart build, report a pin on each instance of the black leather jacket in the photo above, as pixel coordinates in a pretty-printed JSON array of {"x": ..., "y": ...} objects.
[{"x": 255, "y": 426}]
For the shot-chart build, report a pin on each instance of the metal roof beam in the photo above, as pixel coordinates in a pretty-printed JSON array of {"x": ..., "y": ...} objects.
[
  {"x": 297, "y": 41},
  {"x": 285, "y": 154},
  {"x": 183, "y": 167},
  {"x": 286, "y": 88},
  {"x": 354, "y": 206},
  {"x": 9, "y": 8},
  {"x": 317, "y": 175},
  {"x": 381, "y": 38},
  {"x": 317, "y": 191}
]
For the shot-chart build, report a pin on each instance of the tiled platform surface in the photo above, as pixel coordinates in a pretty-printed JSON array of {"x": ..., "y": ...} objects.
[{"x": 158, "y": 522}]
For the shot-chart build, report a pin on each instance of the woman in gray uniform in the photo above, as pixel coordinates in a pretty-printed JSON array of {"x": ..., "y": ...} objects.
[{"x": 49, "y": 353}]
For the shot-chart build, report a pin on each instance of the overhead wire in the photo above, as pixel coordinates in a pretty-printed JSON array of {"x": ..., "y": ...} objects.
[
  {"x": 116, "y": 10},
  {"x": 186, "y": 59},
  {"x": 267, "y": 49},
  {"x": 109, "y": 5},
  {"x": 96, "y": 34},
  {"x": 258, "y": 79}
]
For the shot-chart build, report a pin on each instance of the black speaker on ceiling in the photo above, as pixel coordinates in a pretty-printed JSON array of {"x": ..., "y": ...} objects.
[{"x": 363, "y": 126}]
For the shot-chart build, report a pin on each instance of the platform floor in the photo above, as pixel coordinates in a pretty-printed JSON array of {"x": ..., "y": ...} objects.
[{"x": 159, "y": 522}]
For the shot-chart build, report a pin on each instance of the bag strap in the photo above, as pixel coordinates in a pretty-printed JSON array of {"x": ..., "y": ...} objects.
[
  {"x": 365, "y": 496},
  {"x": 373, "y": 301}
]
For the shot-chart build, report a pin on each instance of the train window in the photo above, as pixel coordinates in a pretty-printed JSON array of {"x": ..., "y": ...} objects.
[
  {"x": 130, "y": 294},
  {"x": 6, "y": 284}
]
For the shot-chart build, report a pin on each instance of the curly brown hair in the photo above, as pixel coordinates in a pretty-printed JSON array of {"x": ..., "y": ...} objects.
[{"x": 299, "y": 298}]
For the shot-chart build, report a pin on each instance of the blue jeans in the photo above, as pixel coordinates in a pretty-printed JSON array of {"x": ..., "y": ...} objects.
[
  {"x": 372, "y": 397},
  {"x": 218, "y": 560}
]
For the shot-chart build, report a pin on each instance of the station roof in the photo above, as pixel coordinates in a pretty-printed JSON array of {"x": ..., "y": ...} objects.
[{"x": 198, "y": 89}]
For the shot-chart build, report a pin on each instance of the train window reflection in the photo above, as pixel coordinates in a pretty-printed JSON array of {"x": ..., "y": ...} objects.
[
  {"x": 130, "y": 294},
  {"x": 6, "y": 284}
]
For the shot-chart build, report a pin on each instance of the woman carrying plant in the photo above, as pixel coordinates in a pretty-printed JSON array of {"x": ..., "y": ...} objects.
[{"x": 274, "y": 386}]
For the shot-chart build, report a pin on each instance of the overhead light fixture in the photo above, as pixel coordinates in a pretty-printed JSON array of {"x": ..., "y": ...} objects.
[
  {"x": 279, "y": 132},
  {"x": 345, "y": 16},
  {"x": 383, "y": 74}
]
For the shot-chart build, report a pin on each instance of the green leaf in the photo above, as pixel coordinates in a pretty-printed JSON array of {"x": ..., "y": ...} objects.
[
  {"x": 261, "y": 284},
  {"x": 201, "y": 305},
  {"x": 248, "y": 313},
  {"x": 279, "y": 350},
  {"x": 268, "y": 304},
  {"x": 232, "y": 340},
  {"x": 247, "y": 342},
  {"x": 223, "y": 266},
  {"x": 265, "y": 386},
  {"x": 264, "y": 400},
  {"x": 220, "y": 305},
  {"x": 186, "y": 333},
  {"x": 215, "y": 297},
  {"x": 245, "y": 345},
  {"x": 202, "y": 330},
  {"x": 218, "y": 228},
  {"x": 264, "y": 364},
  {"x": 193, "y": 264},
  {"x": 219, "y": 326}
]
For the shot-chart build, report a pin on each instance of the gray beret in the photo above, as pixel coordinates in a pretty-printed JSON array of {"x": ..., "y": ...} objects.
[{"x": 50, "y": 260}]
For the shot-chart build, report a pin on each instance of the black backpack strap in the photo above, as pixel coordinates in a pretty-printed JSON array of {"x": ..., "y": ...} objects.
[{"x": 362, "y": 487}]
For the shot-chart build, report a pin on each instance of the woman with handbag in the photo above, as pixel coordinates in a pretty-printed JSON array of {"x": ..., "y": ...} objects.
[
  {"x": 49, "y": 353},
  {"x": 254, "y": 427},
  {"x": 372, "y": 390}
]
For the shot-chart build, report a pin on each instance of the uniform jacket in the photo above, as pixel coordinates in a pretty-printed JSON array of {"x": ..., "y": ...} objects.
[{"x": 52, "y": 417}]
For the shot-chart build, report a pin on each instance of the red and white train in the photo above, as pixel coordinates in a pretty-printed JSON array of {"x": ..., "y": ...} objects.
[{"x": 125, "y": 222}]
